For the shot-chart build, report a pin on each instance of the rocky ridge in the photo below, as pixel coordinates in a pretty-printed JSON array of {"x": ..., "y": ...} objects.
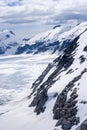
[{"x": 70, "y": 67}]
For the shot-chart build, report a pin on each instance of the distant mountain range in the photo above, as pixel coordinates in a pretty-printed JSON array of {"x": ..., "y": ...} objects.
[{"x": 49, "y": 41}]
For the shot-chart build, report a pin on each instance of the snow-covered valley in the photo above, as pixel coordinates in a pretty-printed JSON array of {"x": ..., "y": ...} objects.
[{"x": 17, "y": 73}]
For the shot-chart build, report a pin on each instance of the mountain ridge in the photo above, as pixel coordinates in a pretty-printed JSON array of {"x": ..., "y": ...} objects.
[
  {"x": 41, "y": 43},
  {"x": 71, "y": 65}
]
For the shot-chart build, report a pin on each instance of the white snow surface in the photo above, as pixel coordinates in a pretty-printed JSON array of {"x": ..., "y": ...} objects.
[
  {"x": 17, "y": 73},
  {"x": 53, "y": 34},
  {"x": 77, "y": 67}
]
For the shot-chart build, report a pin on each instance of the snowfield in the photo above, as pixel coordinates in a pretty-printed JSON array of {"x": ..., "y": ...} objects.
[
  {"x": 57, "y": 92},
  {"x": 17, "y": 73}
]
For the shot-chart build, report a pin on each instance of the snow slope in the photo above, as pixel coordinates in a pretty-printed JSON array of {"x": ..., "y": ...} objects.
[
  {"x": 17, "y": 73},
  {"x": 64, "y": 85},
  {"x": 50, "y": 89},
  {"x": 46, "y": 42}
]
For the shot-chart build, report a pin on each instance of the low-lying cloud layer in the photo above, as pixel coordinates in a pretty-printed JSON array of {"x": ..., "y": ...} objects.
[
  {"x": 29, "y": 17},
  {"x": 42, "y": 11}
]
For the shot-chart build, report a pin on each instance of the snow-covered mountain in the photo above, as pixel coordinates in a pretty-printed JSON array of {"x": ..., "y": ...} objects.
[
  {"x": 57, "y": 99},
  {"x": 8, "y": 42},
  {"x": 60, "y": 92},
  {"x": 47, "y": 42}
]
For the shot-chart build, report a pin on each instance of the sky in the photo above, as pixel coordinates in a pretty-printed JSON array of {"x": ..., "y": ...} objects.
[{"x": 29, "y": 17}]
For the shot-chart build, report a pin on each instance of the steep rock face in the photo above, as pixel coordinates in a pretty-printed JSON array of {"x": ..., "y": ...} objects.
[
  {"x": 64, "y": 81},
  {"x": 65, "y": 110},
  {"x": 63, "y": 62}
]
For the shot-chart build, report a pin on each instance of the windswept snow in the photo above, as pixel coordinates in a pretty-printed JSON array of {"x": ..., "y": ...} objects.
[
  {"x": 53, "y": 34},
  {"x": 17, "y": 73}
]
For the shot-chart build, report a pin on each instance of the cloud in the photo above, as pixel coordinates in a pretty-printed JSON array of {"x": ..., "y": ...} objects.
[
  {"x": 18, "y": 21},
  {"x": 14, "y": 3},
  {"x": 44, "y": 12}
]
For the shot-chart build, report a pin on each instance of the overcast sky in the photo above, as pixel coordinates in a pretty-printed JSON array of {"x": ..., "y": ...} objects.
[{"x": 29, "y": 17}]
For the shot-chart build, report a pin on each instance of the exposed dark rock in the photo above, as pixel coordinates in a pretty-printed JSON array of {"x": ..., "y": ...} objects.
[
  {"x": 57, "y": 59},
  {"x": 42, "y": 47},
  {"x": 65, "y": 61},
  {"x": 83, "y": 126},
  {"x": 82, "y": 59},
  {"x": 38, "y": 47},
  {"x": 1, "y": 114},
  {"x": 65, "y": 110},
  {"x": 62, "y": 63},
  {"x": 4, "y": 113},
  {"x": 72, "y": 45},
  {"x": 2, "y": 50},
  {"x": 66, "y": 125},
  {"x": 78, "y": 84},
  {"x": 26, "y": 39},
  {"x": 76, "y": 69},
  {"x": 56, "y": 129},
  {"x": 7, "y": 36},
  {"x": 23, "y": 49},
  {"x": 55, "y": 95},
  {"x": 12, "y": 44},
  {"x": 60, "y": 101},
  {"x": 85, "y": 49},
  {"x": 83, "y": 102},
  {"x": 39, "y": 101},
  {"x": 11, "y": 32},
  {"x": 56, "y": 26},
  {"x": 70, "y": 71}
]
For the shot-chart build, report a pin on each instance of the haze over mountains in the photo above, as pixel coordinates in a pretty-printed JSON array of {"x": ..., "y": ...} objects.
[
  {"x": 28, "y": 18},
  {"x": 44, "y": 42},
  {"x": 43, "y": 65}
]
